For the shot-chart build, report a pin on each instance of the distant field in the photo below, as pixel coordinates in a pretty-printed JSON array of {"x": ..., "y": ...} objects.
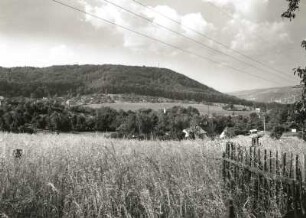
[
  {"x": 203, "y": 109},
  {"x": 285, "y": 144}
]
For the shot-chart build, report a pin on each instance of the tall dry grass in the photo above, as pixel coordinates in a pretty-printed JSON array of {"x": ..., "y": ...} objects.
[{"x": 89, "y": 176}]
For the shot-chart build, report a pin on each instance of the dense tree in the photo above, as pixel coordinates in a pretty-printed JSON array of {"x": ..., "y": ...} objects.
[
  {"x": 129, "y": 125},
  {"x": 27, "y": 115},
  {"x": 105, "y": 119},
  {"x": 241, "y": 126},
  {"x": 146, "y": 121}
]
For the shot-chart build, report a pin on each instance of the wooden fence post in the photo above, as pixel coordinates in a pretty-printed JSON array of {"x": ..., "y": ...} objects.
[
  {"x": 284, "y": 185},
  {"x": 234, "y": 159},
  {"x": 271, "y": 165},
  {"x": 290, "y": 191},
  {"x": 298, "y": 186},
  {"x": 224, "y": 164},
  {"x": 304, "y": 170},
  {"x": 291, "y": 167},
  {"x": 250, "y": 175},
  {"x": 284, "y": 164},
  {"x": 277, "y": 183}
]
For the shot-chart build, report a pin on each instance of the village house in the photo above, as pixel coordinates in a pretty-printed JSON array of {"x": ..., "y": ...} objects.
[{"x": 1, "y": 99}]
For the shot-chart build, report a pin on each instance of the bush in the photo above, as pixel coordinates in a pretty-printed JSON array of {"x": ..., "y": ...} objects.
[
  {"x": 277, "y": 132},
  {"x": 302, "y": 135},
  {"x": 230, "y": 133}
]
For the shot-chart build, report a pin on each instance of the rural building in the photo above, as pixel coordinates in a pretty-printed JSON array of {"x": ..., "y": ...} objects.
[
  {"x": 194, "y": 132},
  {"x": 240, "y": 108},
  {"x": 224, "y": 133},
  {"x": 1, "y": 99}
]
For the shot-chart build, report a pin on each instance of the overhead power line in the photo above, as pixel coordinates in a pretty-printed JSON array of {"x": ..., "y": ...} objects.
[
  {"x": 189, "y": 38},
  {"x": 255, "y": 34},
  {"x": 208, "y": 37},
  {"x": 161, "y": 41}
]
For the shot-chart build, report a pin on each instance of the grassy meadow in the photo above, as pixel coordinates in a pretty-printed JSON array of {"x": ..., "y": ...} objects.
[
  {"x": 88, "y": 176},
  {"x": 70, "y": 175}
]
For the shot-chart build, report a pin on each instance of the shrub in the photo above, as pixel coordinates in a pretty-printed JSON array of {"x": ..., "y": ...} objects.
[{"x": 277, "y": 132}]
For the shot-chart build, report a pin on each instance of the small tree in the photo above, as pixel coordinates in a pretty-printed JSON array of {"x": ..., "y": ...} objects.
[{"x": 300, "y": 106}]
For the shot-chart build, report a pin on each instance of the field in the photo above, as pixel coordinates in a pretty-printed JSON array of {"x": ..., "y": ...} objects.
[
  {"x": 87, "y": 176},
  {"x": 69, "y": 175},
  {"x": 203, "y": 109},
  {"x": 288, "y": 144}
]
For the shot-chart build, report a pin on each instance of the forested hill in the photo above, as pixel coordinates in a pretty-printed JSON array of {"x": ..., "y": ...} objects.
[{"x": 115, "y": 79}]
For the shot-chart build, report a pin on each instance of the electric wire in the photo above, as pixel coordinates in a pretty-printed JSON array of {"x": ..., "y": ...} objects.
[
  {"x": 208, "y": 37},
  {"x": 196, "y": 41}
]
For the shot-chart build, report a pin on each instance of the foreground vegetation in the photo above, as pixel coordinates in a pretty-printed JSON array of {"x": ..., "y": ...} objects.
[{"x": 89, "y": 176}]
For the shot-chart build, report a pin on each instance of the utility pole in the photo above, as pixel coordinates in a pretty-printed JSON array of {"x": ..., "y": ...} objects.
[
  {"x": 264, "y": 122},
  {"x": 303, "y": 131},
  {"x": 260, "y": 113}
]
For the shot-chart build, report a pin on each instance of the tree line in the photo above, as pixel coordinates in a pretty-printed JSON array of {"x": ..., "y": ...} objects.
[{"x": 22, "y": 115}]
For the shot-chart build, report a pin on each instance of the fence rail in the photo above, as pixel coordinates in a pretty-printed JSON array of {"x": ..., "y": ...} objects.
[{"x": 261, "y": 175}]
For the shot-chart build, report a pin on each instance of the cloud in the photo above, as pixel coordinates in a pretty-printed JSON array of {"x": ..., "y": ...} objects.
[
  {"x": 163, "y": 14},
  {"x": 247, "y": 28},
  {"x": 246, "y": 8},
  {"x": 33, "y": 53},
  {"x": 61, "y": 54},
  {"x": 155, "y": 28},
  {"x": 257, "y": 37},
  {"x": 196, "y": 23},
  {"x": 104, "y": 11},
  {"x": 240, "y": 33}
]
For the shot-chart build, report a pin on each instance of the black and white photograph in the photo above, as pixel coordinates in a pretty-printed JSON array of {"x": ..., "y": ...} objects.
[{"x": 152, "y": 109}]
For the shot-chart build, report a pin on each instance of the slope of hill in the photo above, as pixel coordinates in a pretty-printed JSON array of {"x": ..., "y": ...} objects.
[
  {"x": 284, "y": 95},
  {"x": 89, "y": 79}
]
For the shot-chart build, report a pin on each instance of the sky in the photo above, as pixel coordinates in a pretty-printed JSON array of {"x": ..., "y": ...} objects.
[{"x": 229, "y": 45}]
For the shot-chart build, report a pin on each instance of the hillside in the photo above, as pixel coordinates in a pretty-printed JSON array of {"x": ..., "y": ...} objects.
[
  {"x": 115, "y": 79},
  {"x": 284, "y": 95}
]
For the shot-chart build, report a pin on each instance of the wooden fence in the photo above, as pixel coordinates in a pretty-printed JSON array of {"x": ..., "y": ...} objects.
[{"x": 265, "y": 178}]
